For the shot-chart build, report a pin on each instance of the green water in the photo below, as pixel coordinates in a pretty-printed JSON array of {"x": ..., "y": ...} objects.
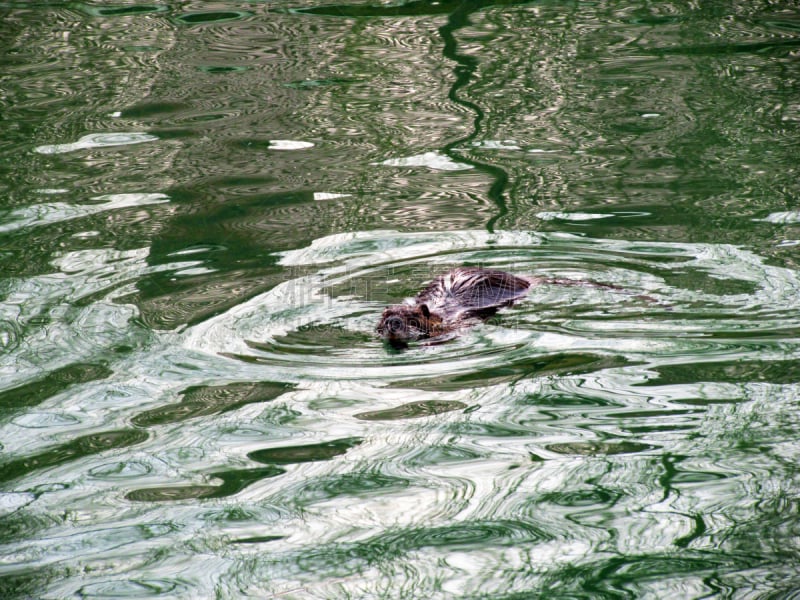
[{"x": 204, "y": 207}]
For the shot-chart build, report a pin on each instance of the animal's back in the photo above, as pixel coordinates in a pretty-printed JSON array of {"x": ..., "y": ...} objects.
[
  {"x": 472, "y": 291},
  {"x": 460, "y": 298},
  {"x": 454, "y": 300}
]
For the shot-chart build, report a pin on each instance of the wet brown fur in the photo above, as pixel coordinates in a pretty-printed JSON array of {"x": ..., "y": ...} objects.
[{"x": 461, "y": 297}]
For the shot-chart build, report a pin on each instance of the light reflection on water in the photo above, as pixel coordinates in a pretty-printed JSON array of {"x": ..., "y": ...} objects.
[
  {"x": 205, "y": 208},
  {"x": 577, "y": 425}
]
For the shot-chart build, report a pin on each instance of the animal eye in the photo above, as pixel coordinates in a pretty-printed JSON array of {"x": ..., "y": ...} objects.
[{"x": 394, "y": 324}]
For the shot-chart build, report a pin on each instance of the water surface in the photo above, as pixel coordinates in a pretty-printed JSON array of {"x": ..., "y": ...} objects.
[{"x": 206, "y": 205}]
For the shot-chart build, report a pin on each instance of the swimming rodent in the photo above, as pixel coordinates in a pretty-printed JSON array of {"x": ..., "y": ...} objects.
[{"x": 461, "y": 297}]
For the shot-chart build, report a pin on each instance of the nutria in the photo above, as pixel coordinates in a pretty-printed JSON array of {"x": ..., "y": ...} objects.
[{"x": 461, "y": 297}]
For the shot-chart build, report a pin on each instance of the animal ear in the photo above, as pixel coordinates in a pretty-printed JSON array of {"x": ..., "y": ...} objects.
[{"x": 425, "y": 312}]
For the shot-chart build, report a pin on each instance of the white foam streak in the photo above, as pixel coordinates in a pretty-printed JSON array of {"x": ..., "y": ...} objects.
[{"x": 98, "y": 140}]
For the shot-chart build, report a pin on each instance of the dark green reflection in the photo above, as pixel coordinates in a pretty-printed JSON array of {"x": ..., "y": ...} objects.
[
  {"x": 57, "y": 380},
  {"x": 310, "y": 339},
  {"x": 353, "y": 485},
  {"x": 153, "y": 110},
  {"x": 222, "y": 70},
  {"x": 406, "y": 9},
  {"x": 233, "y": 482},
  {"x": 514, "y": 370},
  {"x": 632, "y": 576},
  {"x": 461, "y": 535},
  {"x": 86, "y": 445},
  {"x": 211, "y": 17},
  {"x": 257, "y": 539},
  {"x": 134, "y": 588},
  {"x": 735, "y": 371},
  {"x": 599, "y": 448},
  {"x": 26, "y": 584},
  {"x": 586, "y": 498},
  {"x": 467, "y": 65},
  {"x": 119, "y": 10},
  {"x": 357, "y": 484},
  {"x": 412, "y": 410},
  {"x": 459, "y": 13},
  {"x": 209, "y": 400},
  {"x": 300, "y": 454},
  {"x": 227, "y": 237},
  {"x": 779, "y": 45},
  {"x": 699, "y": 529},
  {"x": 23, "y": 525}
]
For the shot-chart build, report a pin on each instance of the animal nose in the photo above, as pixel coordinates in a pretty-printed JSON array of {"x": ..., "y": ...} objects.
[{"x": 394, "y": 324}]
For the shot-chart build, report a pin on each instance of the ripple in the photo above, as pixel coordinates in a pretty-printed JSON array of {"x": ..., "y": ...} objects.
[
  {"x": 326, "y": 320},
  {"x": 201, "y": 18},
  {"x": 365, "y": 485},
  {"x": 208, "y": 400},
  {"x": 80, "y": 447},
  {"x": 300, "y": 454},
  {"x": 12, "y": 501},
  {"x": 497, "y": 145},
  {"x": 133, "y": 588},
  {"x": 36, "y": 392},
  {"x": 233, "y": 482},
  {"x": 459, "y": 536},
  {"x": 120, "y": 10},
  {"x": 599, "y": 448},
  {"x": 431, "y": 160},
  {"x": 37, "y": 215},
  {"x": 412, "y": 410},
  {"x": 634, "y": 438},
  {"x": 98, "y": 541},
  {"x": 121, "y": 470},
  {"x": 9, "y": 335},
  {"x": 179, "y": 305},
  {"x": 98, "y": 140},
  {"x": 43, "y": 420},
  {"x": 304, "y": 84}
]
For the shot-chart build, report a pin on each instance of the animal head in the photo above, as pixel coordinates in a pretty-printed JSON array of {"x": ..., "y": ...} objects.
[{"x": 402, "y": 323}]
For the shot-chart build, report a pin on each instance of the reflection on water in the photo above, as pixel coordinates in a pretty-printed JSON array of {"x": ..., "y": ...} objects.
[
  {"x": 586, "y": 420},
  {"x": 205, "y": 209},
  {"x": 97, "y": 140}
]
